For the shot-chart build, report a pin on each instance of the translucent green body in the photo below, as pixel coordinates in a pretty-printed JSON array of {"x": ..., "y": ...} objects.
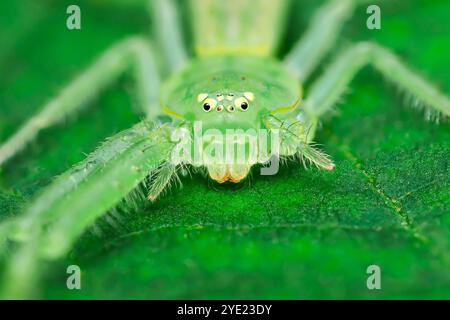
[{"x": 224, "y": 81}]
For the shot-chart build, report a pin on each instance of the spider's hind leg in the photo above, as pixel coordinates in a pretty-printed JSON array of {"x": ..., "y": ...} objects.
[
  {"x": 133, "y": 53},
  {"x": 327, "y": 90}
]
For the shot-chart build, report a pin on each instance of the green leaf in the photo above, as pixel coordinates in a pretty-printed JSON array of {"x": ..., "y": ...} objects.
[{"x": 299, "y": 234}]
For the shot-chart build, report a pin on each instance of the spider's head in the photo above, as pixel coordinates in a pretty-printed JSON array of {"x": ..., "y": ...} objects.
[
  {"x": 230, "y": 94},
  {"x": 229, "y": 123}
]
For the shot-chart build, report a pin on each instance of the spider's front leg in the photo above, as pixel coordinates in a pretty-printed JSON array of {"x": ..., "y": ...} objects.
[
  {"x": 62, "y": 211},
  {"x": 133, "y": 53},
  {"x": 327, "y": 90}
]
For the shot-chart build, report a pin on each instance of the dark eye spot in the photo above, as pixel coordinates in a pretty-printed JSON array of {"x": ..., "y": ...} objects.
[
  {"x": 206, "y": 107},
  {"x": 244, "y": 105}
]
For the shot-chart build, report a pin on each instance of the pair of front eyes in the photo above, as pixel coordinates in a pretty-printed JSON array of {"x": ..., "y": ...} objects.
[{"x": 239, "y": 103}]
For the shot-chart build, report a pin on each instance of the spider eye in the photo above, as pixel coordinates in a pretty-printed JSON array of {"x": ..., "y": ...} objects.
[
  {"x": 241, "y": 104},
  {"x": 202, "y": 96},
  {"x": 209, "y": 105}
]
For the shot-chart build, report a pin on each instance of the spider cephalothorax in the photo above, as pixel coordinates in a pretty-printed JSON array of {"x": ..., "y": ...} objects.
[{"x": 230, "y": 98}]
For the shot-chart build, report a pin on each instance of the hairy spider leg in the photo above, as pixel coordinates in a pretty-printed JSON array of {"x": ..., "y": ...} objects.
[
  {"x": 54, "y": 219},
  {"x": 62, "y": 211},
  {"x": 327, "y": 90}
]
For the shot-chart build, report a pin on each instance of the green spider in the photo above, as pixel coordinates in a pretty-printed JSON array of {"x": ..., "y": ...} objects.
[{"x": 234, "y": 82}]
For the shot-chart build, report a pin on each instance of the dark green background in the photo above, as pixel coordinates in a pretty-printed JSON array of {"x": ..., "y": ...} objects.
[{"x": 300, "y": 234}]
